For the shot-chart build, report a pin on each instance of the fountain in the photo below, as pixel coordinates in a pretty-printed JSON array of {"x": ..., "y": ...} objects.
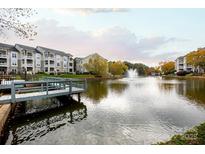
[{"x": 132, "y": 73}]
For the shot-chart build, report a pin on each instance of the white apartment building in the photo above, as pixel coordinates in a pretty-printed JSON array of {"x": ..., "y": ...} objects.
[
  {"x": 80, "y": 62},
  {"x": 181, "y": 65},
  {"x": 21, "y": 58},
  {"x": 55, "y": 61},
  {"x": 29, "y": 59},
  {"x": 8, "y": 59}
]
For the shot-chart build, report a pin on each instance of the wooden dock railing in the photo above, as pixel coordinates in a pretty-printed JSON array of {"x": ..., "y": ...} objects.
[{"x": 27, "y": 90}]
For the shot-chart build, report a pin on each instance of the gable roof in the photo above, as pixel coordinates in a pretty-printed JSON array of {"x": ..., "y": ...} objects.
[
  {"x": 7, "y": 47},
  {"x": 39, "y": 48},
  {"x": 95, "y": 54},
  {"x": 24, "y": 47}
]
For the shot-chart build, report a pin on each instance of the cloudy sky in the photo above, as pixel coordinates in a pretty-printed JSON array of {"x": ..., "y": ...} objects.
[{"x": 137, "y": 35}]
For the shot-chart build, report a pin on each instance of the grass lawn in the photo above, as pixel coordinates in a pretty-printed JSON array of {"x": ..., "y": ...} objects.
[
  {"x": 39, "y": 76},
  {"x": 195, "y": 136}
]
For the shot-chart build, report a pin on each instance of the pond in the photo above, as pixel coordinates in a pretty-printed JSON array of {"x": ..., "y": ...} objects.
[{"x": 137, "y": 110}]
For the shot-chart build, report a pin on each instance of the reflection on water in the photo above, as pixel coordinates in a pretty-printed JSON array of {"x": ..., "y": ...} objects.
[
  {"x": 124, "y": 111},
  {"x": 30, "y": 127},
  {"x": 118, "y": 87},
  {"x": 97, "y": 90}
]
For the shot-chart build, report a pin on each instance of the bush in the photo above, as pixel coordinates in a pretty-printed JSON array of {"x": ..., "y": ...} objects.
[
  {"x": 201, "y": 133},
  {"x": 181, "y": 73}
]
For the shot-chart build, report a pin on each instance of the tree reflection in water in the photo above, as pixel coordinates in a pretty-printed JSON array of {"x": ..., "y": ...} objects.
[
  {"x": 118, "y": 87},
  {"x": 193, "y": 90},
  {"x": 26, "y": 128},
  {"x": 97, "y": 90}
]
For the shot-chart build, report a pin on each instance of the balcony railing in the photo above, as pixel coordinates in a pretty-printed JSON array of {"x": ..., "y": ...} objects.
[
  {"x": 3, "y": 56},
  {"x": 29, "y": 64},
  {"x": 29, "y": 57},
  {"x": 52, "y": 65},
  {"x": 3, "y": 63}
]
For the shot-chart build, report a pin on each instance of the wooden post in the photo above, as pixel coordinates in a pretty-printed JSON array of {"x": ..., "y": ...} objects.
[
  {"x": 46, "y": 87},
  {"x": 70, "y": 87},
  {"x": 41, "y": 86},
  {"x": 12, "y": 92},
  {"x": 64, "y": 85},
  {"x": 79, "y": 97},
  {"x": 85, "y": 84}
]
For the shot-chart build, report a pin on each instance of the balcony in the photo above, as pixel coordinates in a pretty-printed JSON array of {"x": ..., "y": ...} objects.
[
  {"x": 3, "y": 64},
  {"x": 29, "y": 64},
  {"x": 29, "y": 57},
  {"x": 52, "y": 65},
  {"x": 3, "y": 56}
]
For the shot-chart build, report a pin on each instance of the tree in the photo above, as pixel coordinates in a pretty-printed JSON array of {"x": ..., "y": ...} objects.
[
  {"x": 97, "y": 66},
  {"x": 151, "y": 70},
  {"x": 117, "y": 68},
  {"x": 11, "y": 20},
  {"x": 196, "y": 58},
  {"x": 141, "y": 68},
  {"x": 167, "y": 67}
]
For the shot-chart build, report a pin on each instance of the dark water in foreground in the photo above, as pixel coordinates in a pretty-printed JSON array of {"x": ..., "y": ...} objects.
[{"x": 125, "y": 111}]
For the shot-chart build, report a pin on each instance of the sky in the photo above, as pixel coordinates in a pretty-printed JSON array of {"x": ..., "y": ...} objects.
[{"x": 141, "y": 35}]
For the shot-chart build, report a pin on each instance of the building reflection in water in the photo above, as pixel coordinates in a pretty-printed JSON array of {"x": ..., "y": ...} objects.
[
  {"x": 56, "y": 114},
  {"x": 192, "y": 89}
]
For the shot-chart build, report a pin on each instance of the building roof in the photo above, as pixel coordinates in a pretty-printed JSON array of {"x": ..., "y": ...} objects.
[
  {"x": 54, "y": 51},
  {"x": 7, "y": 47},
  {"x": 180, "y": 57},
  {"x": 95, "y": 54},
  {"x": 24, "y": 47}
]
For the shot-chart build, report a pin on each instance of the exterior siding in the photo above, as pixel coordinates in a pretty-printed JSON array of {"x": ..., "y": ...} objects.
[{"x": 21, "y": 58}]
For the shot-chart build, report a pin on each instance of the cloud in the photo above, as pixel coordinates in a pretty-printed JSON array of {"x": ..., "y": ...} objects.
[
  {"x": 113, "y": 43},
  {"x": 88, "y": 11}
]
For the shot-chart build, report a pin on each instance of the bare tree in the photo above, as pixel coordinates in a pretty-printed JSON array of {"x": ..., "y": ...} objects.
[{"x": 12, "y": 19}]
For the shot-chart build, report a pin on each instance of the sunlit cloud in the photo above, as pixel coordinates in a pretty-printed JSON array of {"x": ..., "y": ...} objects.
[
  {"x": 114, "y": 43},
  {"x": 88, "y": 11}
]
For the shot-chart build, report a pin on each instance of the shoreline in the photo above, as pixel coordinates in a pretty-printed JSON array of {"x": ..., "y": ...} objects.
[{"x": 184, "y": 77}]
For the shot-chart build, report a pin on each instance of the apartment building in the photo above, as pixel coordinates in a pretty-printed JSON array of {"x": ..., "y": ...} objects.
[
  {"x": 55, "y": 61},
  {"x": 181, "y": 65},
  {"x": 20, "y": 58},
  {"x": 29, "y": 58},
  {"x": 79, "y": 62},
  {"x": 8, "y": 59}
]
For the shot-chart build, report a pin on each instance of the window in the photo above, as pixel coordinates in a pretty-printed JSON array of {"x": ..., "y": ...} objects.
[
  {"x": 58, "y": 64},
  {"x": 23, "y": 61},
  {"x": 46, "y": 69},
  {"x": 13, "y": 55},
  {"x": 13, "y": 70},
  {"x": 70, "y": 64},
  {"x": 46, "y": 62},
  {"x": 71, "y": 70},
  {"x": 14, "y": 63}
]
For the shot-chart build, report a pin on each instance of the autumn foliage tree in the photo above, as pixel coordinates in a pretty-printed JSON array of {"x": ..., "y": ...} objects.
[
  {"x": 167, "y": 67},
  {"x": 196, "y": 58},
  {"x": 117, "y": 68},
  {"x": 12, "y": 19},
  {"x": 97, "y": 66}
]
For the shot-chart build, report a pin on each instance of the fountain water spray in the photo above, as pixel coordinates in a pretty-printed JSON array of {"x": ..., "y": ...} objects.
[{"x": 132, "y": 73}]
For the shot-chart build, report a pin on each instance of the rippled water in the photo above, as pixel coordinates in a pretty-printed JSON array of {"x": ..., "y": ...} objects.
[{"x": 124, "y": 111}]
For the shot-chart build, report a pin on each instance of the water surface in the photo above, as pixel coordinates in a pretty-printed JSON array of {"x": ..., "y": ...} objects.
[{"x": 124, "y": 111}]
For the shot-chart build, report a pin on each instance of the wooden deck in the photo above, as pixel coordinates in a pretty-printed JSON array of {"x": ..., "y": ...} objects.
[{"x": 41, "y": 89}]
